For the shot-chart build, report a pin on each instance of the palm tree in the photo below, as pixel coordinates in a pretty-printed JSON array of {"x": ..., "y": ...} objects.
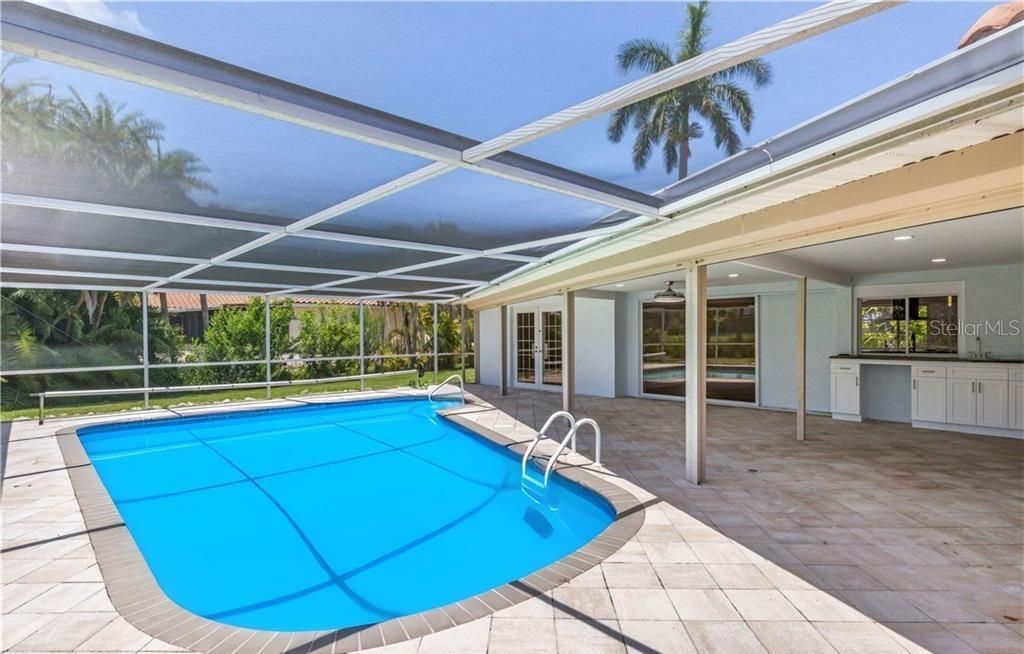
[{"x": 673, "y": 118}]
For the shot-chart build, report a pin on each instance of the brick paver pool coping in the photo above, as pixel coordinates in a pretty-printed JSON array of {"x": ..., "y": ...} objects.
[{"x": 136, "y": 595}]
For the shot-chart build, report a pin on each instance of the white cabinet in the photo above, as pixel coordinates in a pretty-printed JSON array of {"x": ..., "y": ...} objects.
[
  {"x": 846, "y": 391},
  {"x": 1016, "y": 411},
  {"x": 993, "y": 403},
  {"x": 969, "y": 396},
  {"x": 961, "y": 404},
  {"x": 978, "y": 396},
  {"x": 928, "y": 399}
]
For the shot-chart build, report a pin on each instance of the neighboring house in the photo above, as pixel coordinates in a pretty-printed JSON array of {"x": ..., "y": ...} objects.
[{"x": 185, "y": 309}]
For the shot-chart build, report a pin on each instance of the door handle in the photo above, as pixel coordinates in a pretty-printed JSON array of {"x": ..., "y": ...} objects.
[
  {"x": 972, "y": 387},
  {"x": 913, "y": 384},
  {"x": 979, "y": 387}
]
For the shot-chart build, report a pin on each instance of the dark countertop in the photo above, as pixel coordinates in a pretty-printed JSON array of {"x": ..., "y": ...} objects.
[{"x": 925, "y": 358}]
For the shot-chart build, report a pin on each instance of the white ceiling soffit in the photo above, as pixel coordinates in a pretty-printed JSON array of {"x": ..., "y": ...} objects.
[
  {"x": 720, "y": 275},
  {"x": 996, "y": 238},
  {"x": 979, "y": 111}
]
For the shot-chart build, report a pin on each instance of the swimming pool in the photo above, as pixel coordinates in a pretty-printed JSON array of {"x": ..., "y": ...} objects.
[{"x": 331, "y": 516}]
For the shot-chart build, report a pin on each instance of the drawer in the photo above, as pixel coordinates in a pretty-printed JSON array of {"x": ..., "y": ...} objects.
[
  {"x": 994, "y": 372},
  {"x": 845, "y": 368},
  {"x": 1017, "y": 373},
  {"x": 928, "y": 371}
]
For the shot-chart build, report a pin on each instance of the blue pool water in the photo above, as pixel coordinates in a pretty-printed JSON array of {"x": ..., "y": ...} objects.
[{"x": 331, "y": 516}]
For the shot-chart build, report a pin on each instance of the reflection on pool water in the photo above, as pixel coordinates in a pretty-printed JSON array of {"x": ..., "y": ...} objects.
[{"x": 678, "y": 372}]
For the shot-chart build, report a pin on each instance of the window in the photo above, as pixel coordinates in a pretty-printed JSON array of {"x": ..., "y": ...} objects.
[
  {"x": 731, "y": 353},
  {"x": 664, "y": 349},
  {"x": 909, "y": 325}
]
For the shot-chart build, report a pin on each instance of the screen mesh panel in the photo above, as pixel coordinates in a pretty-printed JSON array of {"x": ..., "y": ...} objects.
[
  {"x": 545, "y": 250},
  {"x": 469, "y": 209},
  {"x": 93, "y": 138},
  {"x": 387, "y": 284},
  {"x": 481, "y": 269},
  {"x": 32, "y": 226},
  {"x": 262, "y": 276},
  {"x": 209, "y": 288},
  {"x": 14, "y": 279},
  {"x": 86, "y": 265},
  {"x": 297, "y": 251}
]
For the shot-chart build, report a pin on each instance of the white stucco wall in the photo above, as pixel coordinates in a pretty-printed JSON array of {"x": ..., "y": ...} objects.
[
  {"x": 595, "y": 342},
  {"x": 828, "y": 317},
  {"x": 608, "y": 339},
  {"x": 490, "y": 354},
  {"x": 595, "y": 346}
]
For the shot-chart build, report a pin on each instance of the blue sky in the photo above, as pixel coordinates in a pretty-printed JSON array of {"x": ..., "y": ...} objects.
[{"x": 478, "y": 69}]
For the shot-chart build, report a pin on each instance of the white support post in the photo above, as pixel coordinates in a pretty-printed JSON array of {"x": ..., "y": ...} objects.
[
  {"x": 476, "y": 346},
  {"x": 801, "y": 357},
  {"x": 266, "y": 338},
  {"x": 462, "y": 341},
  {"x": 435, "y": 343},
  {"x": 145, "y": 347},
  {"x": 696, "y": 370},
  {"x": 362, "y": 350},
  {"x": 569, "y": 353},
  {"x": 503, "y": 349}
]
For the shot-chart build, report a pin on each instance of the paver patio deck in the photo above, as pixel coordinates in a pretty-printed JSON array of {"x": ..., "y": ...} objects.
[{"x": 869, "y": 537}]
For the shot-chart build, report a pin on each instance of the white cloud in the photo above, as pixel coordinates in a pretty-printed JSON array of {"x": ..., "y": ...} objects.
[{"x": 99, "y": 11}]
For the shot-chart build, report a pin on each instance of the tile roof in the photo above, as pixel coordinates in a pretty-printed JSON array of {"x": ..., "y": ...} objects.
[{"x": 177, "y": 302}]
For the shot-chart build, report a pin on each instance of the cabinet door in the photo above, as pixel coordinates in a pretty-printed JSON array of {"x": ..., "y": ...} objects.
[
  {"x": 961, "y": 404},
  {"x": 928, "y": 399},
  {"x": 846, "y": 394},
  {"x": 993, "y": 403},
  {"x": 1017, "y": 405}
]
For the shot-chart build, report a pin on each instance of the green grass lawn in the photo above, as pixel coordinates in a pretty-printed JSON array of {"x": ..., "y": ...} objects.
[{"x": 70, "y": 406}]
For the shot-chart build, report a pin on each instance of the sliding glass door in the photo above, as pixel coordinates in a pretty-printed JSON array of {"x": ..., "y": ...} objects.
[
  {"x": 732, "y": 349},
  {"x": 664, "y": 349}
]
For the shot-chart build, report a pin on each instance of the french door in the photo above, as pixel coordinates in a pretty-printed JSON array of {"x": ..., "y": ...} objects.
[{"x": 538, "y": 348}]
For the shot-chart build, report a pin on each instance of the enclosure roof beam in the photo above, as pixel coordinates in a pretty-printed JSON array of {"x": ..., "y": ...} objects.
[
  {"x": 144, "y": 256},
  {"x": 106, "y": 254},
  {"x": 789, "y": 266},
  {"x": 87, "y": 208},
  {"x": 73, "y": 273}
]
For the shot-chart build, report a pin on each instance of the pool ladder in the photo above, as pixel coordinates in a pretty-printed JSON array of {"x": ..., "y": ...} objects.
[
  {"x": 462, "y": 388},
  {"x": 568, "y": 440}
]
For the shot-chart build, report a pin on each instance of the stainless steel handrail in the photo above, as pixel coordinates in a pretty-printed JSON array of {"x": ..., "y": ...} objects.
[
  {"x": 570, "y": 437},
  {"x": 540, "y": 435},
  {"x": 597, "y": 437},
  {"x": 462, "y": 388}
]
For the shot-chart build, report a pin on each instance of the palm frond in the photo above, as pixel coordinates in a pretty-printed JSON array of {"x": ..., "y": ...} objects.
[
  {"x": 645, "y": 55},
  {"x": 736, "y": 100},
  {"x": 693, "y": 36},
  {"x": 757, "y": 71}
]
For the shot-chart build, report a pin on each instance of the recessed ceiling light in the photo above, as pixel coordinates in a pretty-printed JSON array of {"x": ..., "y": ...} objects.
[
  {"x": 939, "y": 260},
  {"x": 619, "y": 285},
  {"x": 902, "y": 237},
  {"x": 734, "y": 274}
]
